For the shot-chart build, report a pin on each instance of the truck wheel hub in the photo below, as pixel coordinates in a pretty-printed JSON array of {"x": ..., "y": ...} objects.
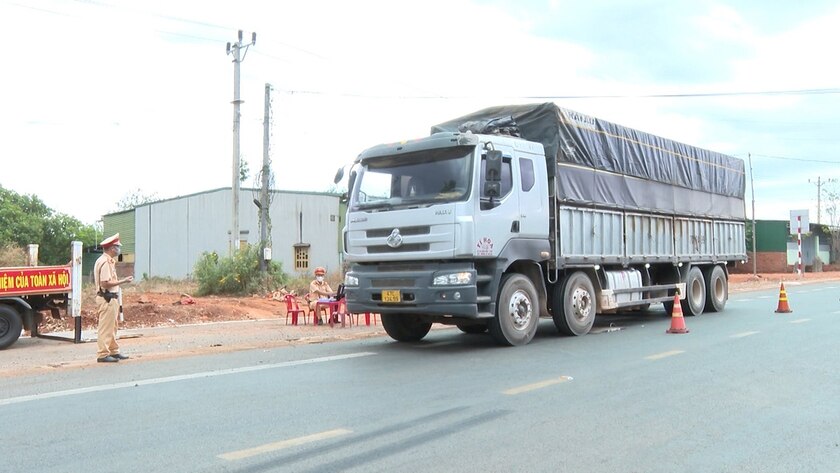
[
  {"x": 520, "y": 310},
  {"x": 582, "y": 304}
]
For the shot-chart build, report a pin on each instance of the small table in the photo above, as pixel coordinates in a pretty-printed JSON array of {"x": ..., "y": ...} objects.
[{"x": 331, "y": 307}]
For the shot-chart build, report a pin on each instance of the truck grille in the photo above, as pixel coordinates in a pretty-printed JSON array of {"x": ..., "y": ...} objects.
[
  {"x": 393, "y": 282},
  {"x": 401, "y": 249},
  {"x": 404, "y": 231}
]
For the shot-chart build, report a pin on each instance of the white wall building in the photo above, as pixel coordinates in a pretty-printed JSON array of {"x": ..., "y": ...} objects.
[{"x": 169, "y": 236}]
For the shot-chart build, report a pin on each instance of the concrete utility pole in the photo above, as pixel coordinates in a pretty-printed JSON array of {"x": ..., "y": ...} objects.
[
  {"x": 266, "y": 170},
  {"x": 752, "y": 192},
  {"x": 235, "y": 49},
  {"x": 819, "y": 184}
]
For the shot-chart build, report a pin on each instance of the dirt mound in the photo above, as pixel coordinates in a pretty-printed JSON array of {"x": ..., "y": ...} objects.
[{"x": 147, "y": 309}]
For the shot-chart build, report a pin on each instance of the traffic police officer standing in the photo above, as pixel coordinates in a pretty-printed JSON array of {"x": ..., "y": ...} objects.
[{"x": 107, "y": 300}]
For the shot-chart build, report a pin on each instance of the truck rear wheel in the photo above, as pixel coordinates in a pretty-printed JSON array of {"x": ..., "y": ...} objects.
[
  {"x": 695, "y": 288},
  {"x": 10, "y": 326},
  {"x": 517, "y": 311},
  {"x": 573, "y": 308},
  {"x": 405, "y": 328},
  {"x": 717, "y": 289}
]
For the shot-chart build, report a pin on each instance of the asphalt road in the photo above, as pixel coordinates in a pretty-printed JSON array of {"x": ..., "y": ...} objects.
[{"x": 747, "y": 390}]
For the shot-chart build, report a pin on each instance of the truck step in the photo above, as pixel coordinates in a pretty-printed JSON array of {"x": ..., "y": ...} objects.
[
  {"x": 483, "y": 278},
  {"x": 483, "y": 299}
]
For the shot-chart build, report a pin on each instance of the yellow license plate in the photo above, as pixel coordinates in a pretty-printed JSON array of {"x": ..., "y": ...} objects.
[{"x": 390, "y": 296}]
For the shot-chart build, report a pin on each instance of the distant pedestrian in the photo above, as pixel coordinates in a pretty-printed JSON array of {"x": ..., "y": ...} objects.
[{"x": 107, "y": 300}]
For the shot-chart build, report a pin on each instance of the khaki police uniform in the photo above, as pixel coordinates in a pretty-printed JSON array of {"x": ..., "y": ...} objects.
[
  {"x": 105, "y": 269},
  {"x": 318, "y": 290}
]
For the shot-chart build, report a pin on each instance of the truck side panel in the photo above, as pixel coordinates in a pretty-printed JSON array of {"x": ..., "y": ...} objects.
[
  {"x": 693, "y": 238},
  {"x": 649, "y": 237},
  {"x": 729, "y": 240},
  {"x": 589, "y": 236}
]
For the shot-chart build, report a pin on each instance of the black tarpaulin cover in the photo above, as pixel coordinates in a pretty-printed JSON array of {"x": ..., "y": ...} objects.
[{"x": 643, "y": 171}]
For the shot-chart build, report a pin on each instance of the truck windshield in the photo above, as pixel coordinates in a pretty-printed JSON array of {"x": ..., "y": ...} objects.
[{"x": 414, "y": 179}]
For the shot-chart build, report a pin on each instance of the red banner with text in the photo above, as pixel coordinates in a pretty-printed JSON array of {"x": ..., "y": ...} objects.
[{"x": 34, "y": 280}]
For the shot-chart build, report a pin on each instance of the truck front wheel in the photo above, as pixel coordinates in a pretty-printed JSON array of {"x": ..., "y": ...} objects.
[
  {"x": 405, "y": 328},
  {"x": 574, "y": 306},
  {"x": 517, "y": 312},
  {"x": 10, "y": 326}
]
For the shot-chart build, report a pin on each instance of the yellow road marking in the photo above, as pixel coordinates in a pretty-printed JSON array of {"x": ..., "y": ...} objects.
[
  {"x": 273, "y": 447},
  {"x": 666, "y": 354},
  {"x": 743, "y": 334},
  {"x": 799, "y": 321},
  {"x": 540, "y": 385}
]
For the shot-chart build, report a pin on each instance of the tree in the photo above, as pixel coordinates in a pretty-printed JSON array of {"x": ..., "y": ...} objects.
[
  {"x": 831, "y": 197},
  {"x": 135, "y": 197},
  {"x": 25, "y": 219}
]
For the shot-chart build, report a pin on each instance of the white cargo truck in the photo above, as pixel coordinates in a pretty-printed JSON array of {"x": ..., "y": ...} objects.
[{"x": 514, "y": 213}]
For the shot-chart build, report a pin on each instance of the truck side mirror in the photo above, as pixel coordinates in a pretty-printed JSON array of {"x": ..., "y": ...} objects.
[{"x": 493, "y": 173}]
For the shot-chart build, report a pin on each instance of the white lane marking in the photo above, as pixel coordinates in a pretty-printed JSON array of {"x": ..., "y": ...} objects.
[
  {"x": 274, "y": 446},
  {"x": 666, "y": 354},
  {"x": 766, "y": 297},
  {"x": 799, "y": 321},
  {"x": 183, "y": 377},
  {"x": 740, "y": 300},
  {"x": 836, "y": 312},
  {"x": 534, "y": 386},
  {"x": 743, "y": 334}
]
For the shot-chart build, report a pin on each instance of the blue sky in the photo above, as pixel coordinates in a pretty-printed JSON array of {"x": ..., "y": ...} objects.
[{"x": 107, "y": 96}]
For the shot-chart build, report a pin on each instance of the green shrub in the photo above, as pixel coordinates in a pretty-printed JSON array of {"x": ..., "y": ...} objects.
[{"x": 236, "y": 275}]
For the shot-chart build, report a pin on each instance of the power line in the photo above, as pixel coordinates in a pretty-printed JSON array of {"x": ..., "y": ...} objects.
[
  {"x": 572, "y": 97},
  {"x": 786, "y": 158}
]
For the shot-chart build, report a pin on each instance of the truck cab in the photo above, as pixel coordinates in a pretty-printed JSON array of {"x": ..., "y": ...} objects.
[{"x": 431, "y": 226}]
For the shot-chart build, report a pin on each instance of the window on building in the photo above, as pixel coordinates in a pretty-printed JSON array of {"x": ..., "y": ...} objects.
[{"x": 301, "y": 258}]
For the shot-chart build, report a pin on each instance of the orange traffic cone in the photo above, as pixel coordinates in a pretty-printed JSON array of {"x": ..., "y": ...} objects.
[
  {"x": 783, "y": 307},
  {"x": 677, "y": 320}
]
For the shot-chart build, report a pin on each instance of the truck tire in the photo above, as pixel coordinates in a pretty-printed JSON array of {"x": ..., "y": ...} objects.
[
  {"x": 472, "y": 328},
  {"x": 517, "y": 312},
  {"x": 717, "y": 289},
  {"x": 574, "y": 305},
  {"x": 405, "y": 328},
  {"x": 10, "y": 326},
  {"x": 695, "y": 289}
]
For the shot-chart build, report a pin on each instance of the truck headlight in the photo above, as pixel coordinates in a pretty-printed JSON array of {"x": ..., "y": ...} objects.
[
  {"x": 350, "y": 280},
  {"x": 452, "y": 279}
]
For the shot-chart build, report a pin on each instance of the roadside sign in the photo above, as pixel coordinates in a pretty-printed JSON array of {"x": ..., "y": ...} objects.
[{"x": 799, "y": 218}]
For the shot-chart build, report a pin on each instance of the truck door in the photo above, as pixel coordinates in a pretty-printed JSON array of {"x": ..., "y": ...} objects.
[
  {"x": 498, "y": 220},
  {"x": 529, "y": 176}
]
